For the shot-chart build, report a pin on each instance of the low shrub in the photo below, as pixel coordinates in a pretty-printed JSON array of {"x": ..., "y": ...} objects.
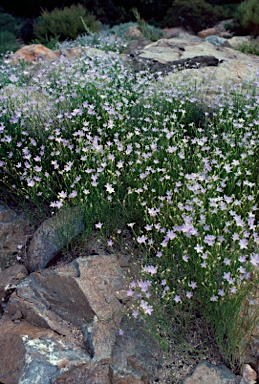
[
  {"x": 61, "y": 24},
  {"x": 8, "y": 42},
  {"x": 196, "y": 14},
  {"x": 9, "y": 32},
  {"x": 250, "y": 47},
  {"x": 249, "y": 16},
  {"x": 149, "y": 31}
]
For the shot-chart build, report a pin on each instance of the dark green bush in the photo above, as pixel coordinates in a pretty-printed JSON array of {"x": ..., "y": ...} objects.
[
  {"x": 9, "y": 32},
  {"x": 196, "y": 14},
  {"x": 61, "y": 24},
  {"x": 248, "y": 17},
  {"x": 8, "y": 42}
]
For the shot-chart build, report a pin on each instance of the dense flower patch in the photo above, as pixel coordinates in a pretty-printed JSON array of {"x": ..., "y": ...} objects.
[{"x": 178, "y": 171}]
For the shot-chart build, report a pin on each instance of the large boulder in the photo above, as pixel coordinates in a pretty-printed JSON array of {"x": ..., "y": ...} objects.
[{"x": 64, "y": 326}]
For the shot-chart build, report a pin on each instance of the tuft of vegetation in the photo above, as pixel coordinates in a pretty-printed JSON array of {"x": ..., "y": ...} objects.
[
  {"x": 66, "y": 23},
  {"x": 251, "y": 47},
  {"x": 149, "y": 31}
]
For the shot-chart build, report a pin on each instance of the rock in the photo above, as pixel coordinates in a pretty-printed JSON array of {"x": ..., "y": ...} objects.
[
  {"x": 136, "y": 46},
  {"x": 34, "y": 52},
  {"x": 249, "y": 374},
  {"x": 133, "y": 32},
  {"x": 219, "y": 29},
  {"x": 206, "y": 373},
  {"x": 15, "y": 228},
  {"x": 40, "y": 354},
  {"x": 206, "y": 32},
  {"x": 169, "y": 55},
  {"x": 10, "y": 278},
  {"x": 52, "y": 236},
  {"x": 88, "y": 373},
  {"x": 173, "y": 32},
  {"x": 217, "y": 41},
  {"x": 236, "y": 40},
  {"x": 135, "y": 370},
  {"x": 68, "y": 324}
]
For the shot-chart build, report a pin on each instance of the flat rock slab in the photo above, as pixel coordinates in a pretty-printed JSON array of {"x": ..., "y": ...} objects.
[
  {"x": 64, "y": 326},
  {"x": 206, "y": 373},
  {"x": 177, "y": 53}
]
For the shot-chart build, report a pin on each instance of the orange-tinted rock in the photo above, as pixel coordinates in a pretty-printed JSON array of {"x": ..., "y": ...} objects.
[
  {"x": 249, "y": 374},
  {"x": 206, "y": 32},
  {"x": 34, "y": 52}
]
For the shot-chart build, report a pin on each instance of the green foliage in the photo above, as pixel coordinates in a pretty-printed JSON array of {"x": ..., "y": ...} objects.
[
  {"x": 196, "y": 14},
  {"x": 249, "y": 16},
  {"x": 9, "y": 31},
  {"x": 149, "y": 31},
  {"x": 250, "y": 47},
  {"x": 10, "y": 23},
  {"x": 61, "y": 24},
  {"x": 8, "y": 42}
]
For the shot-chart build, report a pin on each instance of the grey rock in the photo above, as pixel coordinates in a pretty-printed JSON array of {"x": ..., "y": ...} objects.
[
  {"x": 52, "y": 236},
  {"x": 134, "y": 355},
  {"x": 206, "y": 373},
  {"x": 216, "y": 40}
]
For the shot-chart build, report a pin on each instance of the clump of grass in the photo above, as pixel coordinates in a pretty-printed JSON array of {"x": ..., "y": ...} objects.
[
  {"x": 129, "y": 152},
  {"x": 149, "y": 31},
  {"x": 251, "y": 47}
]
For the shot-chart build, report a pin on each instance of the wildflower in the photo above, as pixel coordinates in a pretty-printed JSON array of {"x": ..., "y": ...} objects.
[
  {"x": 189, "y": 294},
  {"x": 146, "y": 307},
  {"x": 98, "y": 225},
  {"x": 130, "y": 293},
  {"x": 209, "y": 239},
  {"x": 254, "y": 259},
  {"x": 144, "y": 285},
  {"x": 109, "y": 188},
  {"x": 214, "y": 298},
  {"x": 121, "y": 332},
  {"x": 72, "y": 194},
  {"x": 177, "y": 299},
  {"x": 135, "y": 313},
  {"x": 150, "y": 269},
  {"x": 110, "y": 243},
  {"x": 185, "y": 258},
  {"x": 227, "y": 261},
  {"x": 142, "y": 239},
  {"x": 198, "y": 248},
  {"x": 243, "y": 243},
  {"x": 193, "y": 284}
]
